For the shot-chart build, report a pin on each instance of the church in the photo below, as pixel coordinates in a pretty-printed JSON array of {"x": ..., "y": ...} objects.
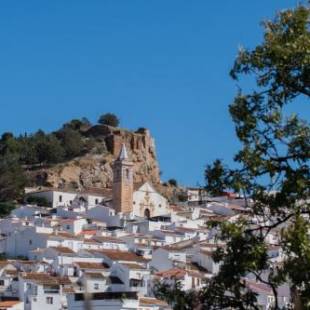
[{"x": 135, "y": 200}]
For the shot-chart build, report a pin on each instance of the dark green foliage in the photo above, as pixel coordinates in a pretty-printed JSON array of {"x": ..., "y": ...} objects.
[
  {"x": 175, "y": 296},
  {"x": 51, "y": 148},
  {"x": 72, "y": 142},
  {"x": 12, "y": 179},
  {"x": 182, "y": 197},
  {"x": 78, "y": 124},
  {"x": 8, "y": 144},
  {"x": 274, "y": 166},
  {"x": 3, "y": 256},
  {"x": 28, "y": 150},
  {"x": 48, "y": 148},
  {"x": 109, "y": 119},
  {"x": 39, "y": 201},
  {"x": 216, "y": 178},
  {"x": 6, "y": 208},
  {"x": 274, "y": 170},
  {"x": 173, "y": 182}
]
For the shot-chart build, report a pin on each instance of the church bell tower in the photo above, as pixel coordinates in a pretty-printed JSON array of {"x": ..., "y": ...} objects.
[{"x": 123, "y": 182}]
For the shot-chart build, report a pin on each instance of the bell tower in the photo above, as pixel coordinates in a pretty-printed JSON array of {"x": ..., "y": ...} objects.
[{"x": 123, "y": 182}]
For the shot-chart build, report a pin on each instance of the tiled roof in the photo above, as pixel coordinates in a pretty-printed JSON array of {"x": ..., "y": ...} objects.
[
  {"x": 133, "y": 266},
  {"x": 62, "y": 250},
  {"x": 8, "y": 304},
  {"x": 96, "y": 266},
  {"x": 94, "y": 275},
  {"x": 108, "y": 239},
  {"x": 148, "y": 301},
  {"x": 64, "y": 235},
  {"x": 117, "y": 255},
  {"x": 174, "y": 273},
  {"x": 45, "y": 279},
  {"x": 178, "y": 246}
]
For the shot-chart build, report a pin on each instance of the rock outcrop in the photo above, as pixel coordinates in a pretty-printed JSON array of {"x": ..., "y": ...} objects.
[{"x": 94, "y": 169}]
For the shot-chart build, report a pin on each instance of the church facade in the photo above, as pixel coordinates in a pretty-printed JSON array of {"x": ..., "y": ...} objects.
[
  {"x": 136, "y": 201},
  {"x": 147, "y": 202}
]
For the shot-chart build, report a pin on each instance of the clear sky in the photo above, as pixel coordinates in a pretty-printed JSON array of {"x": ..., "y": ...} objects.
[{"x": 161, "y": 64}]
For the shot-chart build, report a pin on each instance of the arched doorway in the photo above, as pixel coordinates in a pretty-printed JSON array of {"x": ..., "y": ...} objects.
[{"x": 147, "y": 213}]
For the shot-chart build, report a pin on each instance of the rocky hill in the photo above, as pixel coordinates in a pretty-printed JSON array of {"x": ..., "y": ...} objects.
[{"x": 94, "y": 168}]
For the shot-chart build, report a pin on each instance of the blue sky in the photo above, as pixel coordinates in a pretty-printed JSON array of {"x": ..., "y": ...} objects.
[{"x": 161, "y": 64}]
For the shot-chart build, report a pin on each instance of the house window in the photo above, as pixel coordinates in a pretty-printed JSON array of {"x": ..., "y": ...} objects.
[
  {"x": 96, "y": 286},
  {"x": 96, "y": 201},
  {"x": 60, "y": 198},
  {"x": 68, "y": 226},
  {"x": 30, "y": 242},
  {"x": 49, "y": 300},
  {"x": 1, "y": 282}
]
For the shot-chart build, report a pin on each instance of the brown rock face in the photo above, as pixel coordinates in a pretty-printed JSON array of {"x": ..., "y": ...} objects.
[{"x": 95, "y": 170}]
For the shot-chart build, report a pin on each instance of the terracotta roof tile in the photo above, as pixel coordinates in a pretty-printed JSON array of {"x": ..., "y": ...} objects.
[
  {"x": 119, "y": 255},
  {"x": 148, "y": 301},
  {"x": 63, "y": 250},
  {"x": 95, "y": 266},
  {"x": 8, "y": 304}
]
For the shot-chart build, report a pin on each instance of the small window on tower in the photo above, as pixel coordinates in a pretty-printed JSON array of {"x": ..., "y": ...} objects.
[{"x": 127, "y": 173}]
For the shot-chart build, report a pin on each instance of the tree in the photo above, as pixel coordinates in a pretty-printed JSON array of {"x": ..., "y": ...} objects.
[
  {"x": 28, "y": 152},
  {"x": 274, "y": 170},
  {"x": 175, "y": 296},
  {"x": 109, "y": 119},
  {"x": 216, "y": 178},
  {"x": 48, "y": 147},
  {"x": 12, "y": 179},
  {"x": 273, "y": 173},
  {"x": 72, "y": 142},
  {"x": 39, "y": 201},
  {"x": 5, "y": 209},
  {"x": 173, "y": 182},
  {"x": 8, "y": 144},
  {"x": 78, "y": 124}
]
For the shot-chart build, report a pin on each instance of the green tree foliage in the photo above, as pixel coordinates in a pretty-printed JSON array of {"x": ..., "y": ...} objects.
[
  {"x": 274, "y": 173},
  {"x": 72, "y": 142},
  {"x": 175, "y": 296},
  {"x": 48, "y": 147},
  {"x": 274, "y": 170},
  {"x": 28, "y": 150},
  {"x": 8, "y": 144},
  {"x": 109, "y": 119},
  {"x": 216, "y": 178},
  {"x": 78, "y": 124},
  {"x": 173, "y": 182},
  {"x": 5, "y": 209},
  {"x": 39, "y": 201},
  {"x": 12, "y": 179}
]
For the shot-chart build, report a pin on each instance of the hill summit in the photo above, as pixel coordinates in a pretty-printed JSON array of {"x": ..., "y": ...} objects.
[{"x": 93, "y": 169}]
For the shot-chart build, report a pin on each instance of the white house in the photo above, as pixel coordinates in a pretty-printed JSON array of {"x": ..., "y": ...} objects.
[
  {"x": 134, "y": 275},
  {"x": 57, "y": 197},
  {"x": 41, "y": 291}
]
